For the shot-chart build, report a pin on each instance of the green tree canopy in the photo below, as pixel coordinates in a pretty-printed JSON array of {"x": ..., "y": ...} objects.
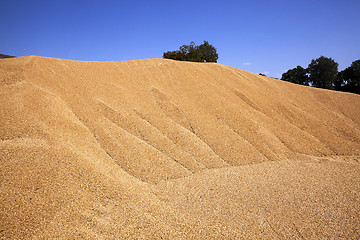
[
  {"x": 296, "y": 75},
  {"x": 208, "y": 52},
  {"x": 323, "y": 72},
  {"x": 349, "y": 79},
  {"x": 203, "y": 53}
]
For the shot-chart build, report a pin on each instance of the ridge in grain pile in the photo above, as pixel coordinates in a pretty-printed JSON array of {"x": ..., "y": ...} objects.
[{"x": 157, "y": 149}]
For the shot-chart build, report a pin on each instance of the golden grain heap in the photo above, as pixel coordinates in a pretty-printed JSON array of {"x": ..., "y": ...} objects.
[{"x": 157, "y": 149}]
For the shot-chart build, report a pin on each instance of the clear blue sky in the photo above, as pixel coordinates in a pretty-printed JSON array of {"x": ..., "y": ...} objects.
[{"x": 258, "y": 36}]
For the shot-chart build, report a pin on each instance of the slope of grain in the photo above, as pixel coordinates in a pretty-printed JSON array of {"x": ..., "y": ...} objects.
[{"x": 159, "y": 148}]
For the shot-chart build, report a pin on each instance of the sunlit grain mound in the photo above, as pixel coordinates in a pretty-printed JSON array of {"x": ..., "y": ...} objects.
[{"x": 164, "y": 149}]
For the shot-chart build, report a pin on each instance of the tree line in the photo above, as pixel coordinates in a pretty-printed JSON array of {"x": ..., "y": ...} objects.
[
  {"x": 202, "y": 53},
  {"x": 323, "y": 73},
  {"x": 5, "y": 56}
]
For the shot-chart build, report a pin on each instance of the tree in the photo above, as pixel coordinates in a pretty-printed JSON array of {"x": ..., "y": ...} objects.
[
  {"x": 191, "y": 53},
  {"x": 208, "y": 52},
  {"x": 176, "y": 55},
  {"x": 203, "y": 53},
  {"x": 349, "y": 79},
  {"x": 296, "y": 75},
  {"x": 323, "y": 72}
]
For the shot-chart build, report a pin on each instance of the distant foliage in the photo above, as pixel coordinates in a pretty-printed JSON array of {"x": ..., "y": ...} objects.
[
  {"x": 348, "y": 80},
  {"x": 203, "y": 53},
  {"x": 5, "y": 56},
  {"x": 323, "y": 72},
  {"x": 296, "y": 75}
]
